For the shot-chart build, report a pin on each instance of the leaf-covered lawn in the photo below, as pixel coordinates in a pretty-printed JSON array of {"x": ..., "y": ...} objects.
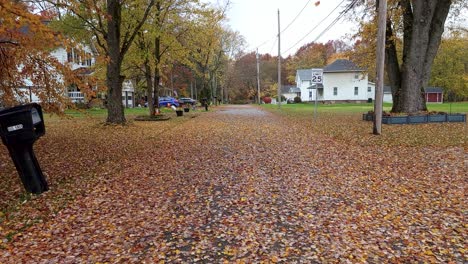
[{"x": 239, "y": 185}]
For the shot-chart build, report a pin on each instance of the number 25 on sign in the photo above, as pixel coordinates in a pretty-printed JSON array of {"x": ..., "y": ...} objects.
[{"x": 317, "y": 75}]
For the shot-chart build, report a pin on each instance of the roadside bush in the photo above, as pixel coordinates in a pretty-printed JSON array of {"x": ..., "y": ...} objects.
[
  {"x": 96, "y": 103},
  {"x": 81, "y": 105},
  {"x": 267, "y": 100},
  {"x": 241, "y": 101},
  {"x": 297, "y": 99}
]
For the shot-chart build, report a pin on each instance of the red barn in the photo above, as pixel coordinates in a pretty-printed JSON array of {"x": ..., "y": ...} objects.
[{"x": 434, "y": 95}]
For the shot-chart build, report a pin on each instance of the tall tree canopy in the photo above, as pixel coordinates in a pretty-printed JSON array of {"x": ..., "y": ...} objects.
[
  {"x": 112, "y": 25},
  {"x": 164, "y": 41},
  {"x": 418, "y": 26},
  {"x": 450, "y": 69}
]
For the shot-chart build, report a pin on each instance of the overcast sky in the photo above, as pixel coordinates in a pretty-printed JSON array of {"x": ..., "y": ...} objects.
[{"x": 257, "y": 21}]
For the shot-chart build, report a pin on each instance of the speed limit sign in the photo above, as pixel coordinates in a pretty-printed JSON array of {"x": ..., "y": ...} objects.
[{"x": 317, "y": 75}]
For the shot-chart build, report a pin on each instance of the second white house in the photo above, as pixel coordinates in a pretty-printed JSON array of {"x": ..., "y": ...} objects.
[{"x": 342, "y": 81}]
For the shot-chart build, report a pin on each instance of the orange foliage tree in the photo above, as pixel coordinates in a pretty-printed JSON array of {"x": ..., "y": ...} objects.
[
  {"x": 314, "y": 55},
  {"x": 25, "y": 59}
]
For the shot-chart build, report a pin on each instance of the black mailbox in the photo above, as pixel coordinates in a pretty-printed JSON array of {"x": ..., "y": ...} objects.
[{"x": 20, "y": 127}]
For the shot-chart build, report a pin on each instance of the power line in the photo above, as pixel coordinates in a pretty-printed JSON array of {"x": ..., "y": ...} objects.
[
  {"x": 265, "y": 42},
  {"x": 272, "y": 46},
  {"x": 300, "y": 12},
  {"x": 349, "y": 7},
  {"x": 290, "y": 23},
  {"x": 321, "y": 21}
]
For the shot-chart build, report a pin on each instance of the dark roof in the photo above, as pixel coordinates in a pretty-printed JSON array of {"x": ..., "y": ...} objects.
[
  {"x": 316, "y": 85},
  {"x": 305, "y": 74},
  {"x": 430, "y": 89},
  {"x": 434, "y": 90},
  {"x": 289, "y": 89},
  {"x": 342, "y": 65}
]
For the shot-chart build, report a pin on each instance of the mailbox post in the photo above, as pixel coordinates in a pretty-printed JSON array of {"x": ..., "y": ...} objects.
[{"x": 20, "y": 127}]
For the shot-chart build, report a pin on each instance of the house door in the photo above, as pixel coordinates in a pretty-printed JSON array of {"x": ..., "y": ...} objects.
[
  {"x": 320, "y": 94},
  {"x": 431, "y": 97}
]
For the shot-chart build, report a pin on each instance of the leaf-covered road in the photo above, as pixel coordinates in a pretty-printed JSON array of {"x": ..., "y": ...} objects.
[{"x": 245, "y": 185}]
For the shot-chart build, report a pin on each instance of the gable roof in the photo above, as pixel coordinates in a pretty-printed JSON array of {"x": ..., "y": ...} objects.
[
  {"x": 316, "y": 85},
  {"x": 305, "y": 74},
  {"x": 342, "y": 65},
  {"x": 289, "y": 89},
  {"x": 433, "y": 90}
]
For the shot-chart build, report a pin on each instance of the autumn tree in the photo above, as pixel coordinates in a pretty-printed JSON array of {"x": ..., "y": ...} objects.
[
  {"x": 162, "y": 43},
  {"x": 419, "y": 26},
  {"x": 26, "y": 42},
  {"x": 450, "y": 69},
  {"x": 233, "y": 45},
  {"x": 363, "y": 50},
  {"x": 314, "y": 55},
  {"x": 269, "y": 74},
  {"x": 245, "y": 84},
  {"x": 113, "y": 26},
  {"x": 206, "y": 47}
]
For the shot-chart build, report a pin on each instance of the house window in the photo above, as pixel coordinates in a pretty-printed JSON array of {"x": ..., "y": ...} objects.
[
  {"x": 69, "y": 55},
  {"x": 76, "y": 58},
  {"x": 310, "y": 94},
  {"x": 369, "y": 89},
  {"x": 335, "y": 90},
  {"x": 356, "y": 90},
  {"x": 356, "y": 76}
]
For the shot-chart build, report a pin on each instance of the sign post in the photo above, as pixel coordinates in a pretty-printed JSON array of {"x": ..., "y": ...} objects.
[{"x": 317, "y": 78}]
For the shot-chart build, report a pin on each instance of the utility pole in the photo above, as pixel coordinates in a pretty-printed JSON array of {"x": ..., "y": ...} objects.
[
  {"x": 213, "y": 83},
  {"x": 196, "y": 90},
  {"x": 215, "y": 90},
  {"x": 258, "y": 79},
  {"x": 191, "y": 89},
  {"x": 279, "y": 61},
  {"x": 172, "y": 83},
  {"x": 378, "y": 101}
]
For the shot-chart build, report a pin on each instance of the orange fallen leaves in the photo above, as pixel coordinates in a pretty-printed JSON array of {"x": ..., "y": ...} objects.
[{"x": 224, "y": 193}]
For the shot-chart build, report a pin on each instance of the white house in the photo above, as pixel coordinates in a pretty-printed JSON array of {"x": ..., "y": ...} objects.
[
  {"x": 342, "y": 81},
  {"x": 80, "y": 60},
  {"x": 290, "y": 92}
]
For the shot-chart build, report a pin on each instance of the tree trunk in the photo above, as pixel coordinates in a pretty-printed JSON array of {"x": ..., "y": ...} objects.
[
  {"x": 157, "y": 73},
  {"x": 157, "y": 57},
  {"x": 423, "y": 25},
  {"x": 391, "y": 62},
  {"x": 149, "y": 88},
  {"x": 115, "y": 110},
  {"x": 157, "y": 78}
]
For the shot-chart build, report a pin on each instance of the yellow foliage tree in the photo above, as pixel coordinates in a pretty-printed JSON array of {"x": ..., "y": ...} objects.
[{"x": 450, "y": 69}]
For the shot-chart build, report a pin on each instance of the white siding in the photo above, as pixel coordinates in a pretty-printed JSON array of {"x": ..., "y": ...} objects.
[
  {"x": 289, "y": 96},
  {"x": 387, "y": 98},
  {"x": 76, "y": 61},
  {"x": 307, "y": 94},
  {"x": 346, "y": 83}
]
